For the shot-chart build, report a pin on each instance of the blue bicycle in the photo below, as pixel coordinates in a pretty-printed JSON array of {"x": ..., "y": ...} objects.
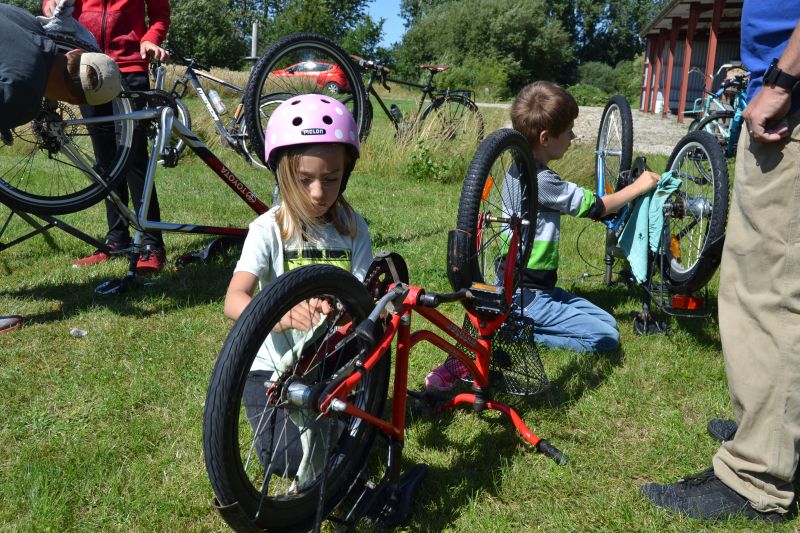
[
  {"x": 694, "y": 215},
  {"x": 726, "y": 124}
]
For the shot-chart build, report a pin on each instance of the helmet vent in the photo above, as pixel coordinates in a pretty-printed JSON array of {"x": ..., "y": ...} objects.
[
  {"x": 325, "y": 101},
  {"x": 297, "y": 121},
  {"x": 327, "y": 120},
  {"x": 295, "y": 102}
]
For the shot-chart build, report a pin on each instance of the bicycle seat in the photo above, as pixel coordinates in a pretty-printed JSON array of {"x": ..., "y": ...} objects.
[{"x": 435, "y": 68}]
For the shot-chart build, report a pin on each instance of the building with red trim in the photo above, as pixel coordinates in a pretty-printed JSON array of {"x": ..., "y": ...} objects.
[{"x": 688, "y": 35}]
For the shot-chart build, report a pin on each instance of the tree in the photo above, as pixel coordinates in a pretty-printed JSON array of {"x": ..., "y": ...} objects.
[
  {"x": 516, "y": 35},
  {"x": 204, "y": 30},
  {"x": 345, "y": 21}
]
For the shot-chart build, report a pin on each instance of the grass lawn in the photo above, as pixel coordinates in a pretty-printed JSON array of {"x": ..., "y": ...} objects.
[{"x": 104, "y": 432}]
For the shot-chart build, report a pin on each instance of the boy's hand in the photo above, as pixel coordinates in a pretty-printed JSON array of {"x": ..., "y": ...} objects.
[{"x": 646, "y": 182}]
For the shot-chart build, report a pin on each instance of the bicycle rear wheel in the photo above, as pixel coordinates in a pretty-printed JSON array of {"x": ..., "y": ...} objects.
[
  {"x": 498, "y": 200},
  {"x": 50, "y": 167},
  {"x": 614, "y": 149},
  {"x": 452, "y": 118},
  {"x": 274, "y": 460},
  {"x": 298, "y": 64},
  {"x": 699, "y": 211}
]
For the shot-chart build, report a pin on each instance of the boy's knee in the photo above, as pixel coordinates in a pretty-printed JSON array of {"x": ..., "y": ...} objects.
[{"x": 607, "y": 341}]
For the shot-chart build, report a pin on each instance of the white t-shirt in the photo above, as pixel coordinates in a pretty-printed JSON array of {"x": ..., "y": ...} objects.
[{"x": 266, "y": 256}]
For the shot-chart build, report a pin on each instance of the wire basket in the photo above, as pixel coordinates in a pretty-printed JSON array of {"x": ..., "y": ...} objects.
[{"x": 515, "y": 367}]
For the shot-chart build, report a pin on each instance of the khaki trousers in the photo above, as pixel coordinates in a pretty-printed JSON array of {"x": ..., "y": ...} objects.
[{"x": 759, "y": 317}]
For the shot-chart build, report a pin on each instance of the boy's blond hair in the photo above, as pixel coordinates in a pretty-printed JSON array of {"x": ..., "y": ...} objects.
[
  {"x": 294, "y": 216},
  {"x": 543, "y": 105}
]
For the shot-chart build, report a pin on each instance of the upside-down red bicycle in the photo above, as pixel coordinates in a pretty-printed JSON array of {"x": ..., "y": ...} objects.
[{"x": 302, "y": 458}]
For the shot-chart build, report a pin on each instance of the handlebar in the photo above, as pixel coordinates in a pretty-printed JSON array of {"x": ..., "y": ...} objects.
[
  {"x": 177, "y": 56},
  {"x": 368, "y": 64}
]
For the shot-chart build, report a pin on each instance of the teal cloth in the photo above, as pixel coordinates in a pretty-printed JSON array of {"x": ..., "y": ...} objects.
[{"x": 642, "y": 233}]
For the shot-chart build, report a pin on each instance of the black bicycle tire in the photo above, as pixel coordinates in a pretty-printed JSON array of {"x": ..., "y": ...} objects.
[
  {"x": 223, "y": 463},
  {"x": 626, "y": 121},
  {"x": 264, "y": 67},
  {"x": 246, "y": 144},
  {"x": 693, "y": 124},
  {"x": 460, "y": 100},
  {"x": 185, "y": 118},
  {"x": 701, "y": 272},
  {"x": 714, "y": 117},
  {"x": 462, "y": 262},
  {"x": 94, "y": 192}
]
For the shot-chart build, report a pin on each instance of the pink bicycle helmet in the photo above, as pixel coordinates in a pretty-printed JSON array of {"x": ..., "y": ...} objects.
[{"x": 310, "y": 119}]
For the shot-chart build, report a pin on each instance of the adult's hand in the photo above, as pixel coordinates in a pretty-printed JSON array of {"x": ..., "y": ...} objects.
[
  {"x": 49, "y": 7},
  {"x": 766, "y": 114},
  {"x": 153, "y": 51}
]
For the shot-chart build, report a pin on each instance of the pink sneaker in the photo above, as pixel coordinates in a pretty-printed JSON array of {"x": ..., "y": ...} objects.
[{"x": 445, "y": 376}]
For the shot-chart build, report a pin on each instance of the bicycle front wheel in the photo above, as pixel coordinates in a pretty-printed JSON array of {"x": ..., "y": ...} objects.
[
  {"x": 302, "y": 63},
  {"x": 176, "y": 143},
  {"x": 49, "y": 167},
  {"x": 614, "y": 149},
  {"x": 718, "y": 125},
  {"x": 699, "y": 211},
  {"x": 275, "y": 460},
  {"x": 498, "y": 202}
]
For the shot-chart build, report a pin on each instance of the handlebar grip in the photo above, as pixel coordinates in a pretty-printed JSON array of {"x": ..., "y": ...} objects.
[
  {"x": 552, "y": 452},
  {"x": 364, "y": 331}
]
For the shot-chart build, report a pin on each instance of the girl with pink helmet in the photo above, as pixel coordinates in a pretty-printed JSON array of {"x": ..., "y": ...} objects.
[{"x": 311, "y": 145}]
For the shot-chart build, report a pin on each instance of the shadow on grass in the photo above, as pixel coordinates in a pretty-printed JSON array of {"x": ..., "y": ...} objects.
[
  {"x": 704, "y": 330},
  {"x": 446, "y": 491},
  {"x": 192, "y": 285}
]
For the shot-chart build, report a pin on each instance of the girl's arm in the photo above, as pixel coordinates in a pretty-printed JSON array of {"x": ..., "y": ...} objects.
[
  {"x": 240, "y": 292},
  {"x": 644, "y": 183}
]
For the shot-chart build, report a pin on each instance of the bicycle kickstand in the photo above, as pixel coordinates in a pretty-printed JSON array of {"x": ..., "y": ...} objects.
[{"x": 125, "y": 283}]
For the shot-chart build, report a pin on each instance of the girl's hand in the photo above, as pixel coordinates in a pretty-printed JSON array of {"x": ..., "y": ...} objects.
[{"x": 304, "y": 316}]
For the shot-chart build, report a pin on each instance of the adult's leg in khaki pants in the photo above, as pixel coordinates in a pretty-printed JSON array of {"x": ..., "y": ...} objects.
[{"x": 759, "y": 315}]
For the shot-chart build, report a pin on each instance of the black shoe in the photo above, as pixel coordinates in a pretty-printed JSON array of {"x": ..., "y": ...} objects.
[
  {"x": 721, "y": 430},
  {"x": 705, "y": 497}
]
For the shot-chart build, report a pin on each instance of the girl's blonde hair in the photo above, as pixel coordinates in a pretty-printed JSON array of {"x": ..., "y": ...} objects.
[{"x": 294, "y": 216}]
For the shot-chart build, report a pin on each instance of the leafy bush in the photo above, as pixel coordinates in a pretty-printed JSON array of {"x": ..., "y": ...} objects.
[
  {"x": 628, "y": 79},
  {"x": 598, "y": 74},
  {"x": 487, "y": 77},
  {"x": 588, "y": 95},
  {"x": 425, "y": 166}
]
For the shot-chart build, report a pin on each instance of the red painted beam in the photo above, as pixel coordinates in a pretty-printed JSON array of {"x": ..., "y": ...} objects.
[
  {"x": 651, "y": 45},
  {"x": 659, "y": 63},
  {"x": 673, "y": 39},
  {"x": 711, "y": 56},
  {"x": 694, "y": 12}
]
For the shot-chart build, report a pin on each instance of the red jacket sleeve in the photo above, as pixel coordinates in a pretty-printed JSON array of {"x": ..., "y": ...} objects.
[{"x": 158, "y": 13}]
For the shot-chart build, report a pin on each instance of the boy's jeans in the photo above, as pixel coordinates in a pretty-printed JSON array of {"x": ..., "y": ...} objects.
[{"x": 563, "y": 320}]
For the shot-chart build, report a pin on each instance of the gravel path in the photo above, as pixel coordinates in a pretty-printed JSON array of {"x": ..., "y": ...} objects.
[{"x": 651, "y": 134}]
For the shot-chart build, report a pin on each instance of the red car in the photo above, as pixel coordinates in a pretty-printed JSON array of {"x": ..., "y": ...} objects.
[{"x": 328, "y": 76}]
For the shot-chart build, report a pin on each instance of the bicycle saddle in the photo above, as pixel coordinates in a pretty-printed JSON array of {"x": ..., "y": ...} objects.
[{"x": 435, "y": 68}]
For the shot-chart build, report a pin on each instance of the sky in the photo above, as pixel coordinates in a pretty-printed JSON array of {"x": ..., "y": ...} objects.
[{"x": 393, "y": 26}]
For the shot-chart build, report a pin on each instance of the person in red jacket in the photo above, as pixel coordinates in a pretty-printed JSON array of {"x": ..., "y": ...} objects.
[{"x": 123, "y": 32}]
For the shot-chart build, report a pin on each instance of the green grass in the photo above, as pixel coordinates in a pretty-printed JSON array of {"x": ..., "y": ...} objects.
[{"x": 104, "y": 432}]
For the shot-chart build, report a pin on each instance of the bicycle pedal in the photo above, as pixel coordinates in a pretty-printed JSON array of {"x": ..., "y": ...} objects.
[
  {"x": 488, "y": 298},
  {"x": 392, "y": 505}
]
